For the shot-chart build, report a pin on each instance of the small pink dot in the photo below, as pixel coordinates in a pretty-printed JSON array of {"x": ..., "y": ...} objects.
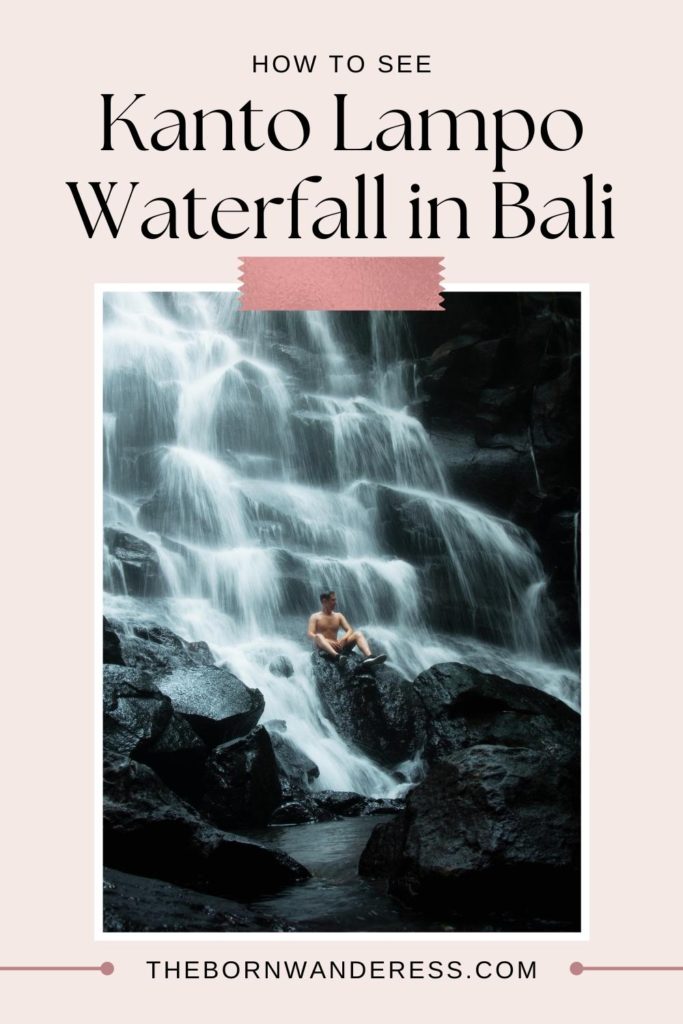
[
  {"x": 107, "y": 967},
  {"x": 576, "y": 967}
]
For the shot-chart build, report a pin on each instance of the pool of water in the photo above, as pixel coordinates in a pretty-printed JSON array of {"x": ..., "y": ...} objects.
[{"x": 336, "y": 898}]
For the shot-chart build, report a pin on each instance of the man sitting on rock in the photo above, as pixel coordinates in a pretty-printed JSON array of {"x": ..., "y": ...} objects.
[{"x": 323, "y": 629}]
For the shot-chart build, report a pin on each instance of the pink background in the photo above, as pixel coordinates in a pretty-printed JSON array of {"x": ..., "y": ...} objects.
[{"x": 614, "y": 65}]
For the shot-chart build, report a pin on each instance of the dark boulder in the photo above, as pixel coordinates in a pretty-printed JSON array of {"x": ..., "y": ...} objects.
[
  {"x": 139, "y": 722},
  {"x": 281, "y": 666},
  {"x": 136, "y": 904},
  {"x": 111, "y": 645},
  {"x": 241, "y": 786},
  {"x": 295, "y": 769},
  {"x": 297, "y": 812},
  {"x": 330, "y": 805},
  {"x": 354, "y": 805},
  {"x": 178, "y": 755},
  {"x": 216, "y": 704},
  {"x": 150, "y": 831},
  {"x": 377, "y": 711},
  {"x": 494, "y": 827},
  {"x": 159, "y": 650},
  {"x": 496, "y": 830},
  {"x": 139, "y": 562},
  {"x": 136, "y": 712},
  {"x": 463, "y": 708}
]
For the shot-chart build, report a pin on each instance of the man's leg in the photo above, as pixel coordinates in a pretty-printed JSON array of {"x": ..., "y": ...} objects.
[
  {"x": 358, "y": 639},
  {"x": 323, "y": 644}
]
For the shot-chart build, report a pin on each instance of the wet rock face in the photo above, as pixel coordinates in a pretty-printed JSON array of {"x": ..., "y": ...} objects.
[
  {"x": 281, "y": 666},
  {"x": 139, "y": 722},
  {"x": 296, "y": 770},
  {"x": 136, "y": 712},
  {"x": 177, "y": 755},
  {"x": 501, "y": 399},
  {"x": 463, "y": 708},
  {"x": 241, "y": 784},
  {"x": 139, "y": 563},
  {"x": 159, "y": 650},
  {"x": 150, "y": 831},
  {"x": 332, "y": 806},
  {"x": 494, "y": 826},
  {"x": 111, "y": 645},
  {"x": 136, "y": 904},
  {"x": 376, "y": 711},
  {"x": 183, "y": 761},
  {"x": 403, "y": 522},
  {"x": 218, "y": 706}
]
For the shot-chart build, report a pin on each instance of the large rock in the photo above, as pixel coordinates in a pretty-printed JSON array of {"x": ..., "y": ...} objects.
[
  {"x": 494, "y": 831},
  {"x": 494, "y": 827},
  {"x": 136, "y": 712},
  {"x": 281, "y": 666},
  {"x": 241, "y": 785},
  {"x": 295, "y": 769},
  {"x": 159, "y": 650},
  {"x": 178, "y": 756},
  {"x": 463, "y": 708},
  {"x": 376, "y": 711},
  {"x": 218, "y": 706},
  {"x": 139, "y": 563},
  {"x": 111, "y": 645},
  {"x": 332, "y": 805},
  {"x": 136, "y": 904},
  {"x": 150, "y": 831},
  {"x": 139, "y": 722}
]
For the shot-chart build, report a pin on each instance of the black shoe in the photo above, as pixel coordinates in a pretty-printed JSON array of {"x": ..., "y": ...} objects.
[{"x": 378, "y": 659}]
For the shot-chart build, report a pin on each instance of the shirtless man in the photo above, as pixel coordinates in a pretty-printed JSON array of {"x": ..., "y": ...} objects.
[{"x": 324, "y": 626}]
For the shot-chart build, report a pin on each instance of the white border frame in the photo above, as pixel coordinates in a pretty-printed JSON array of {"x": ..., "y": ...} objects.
[{"x": 242, "y": 937}]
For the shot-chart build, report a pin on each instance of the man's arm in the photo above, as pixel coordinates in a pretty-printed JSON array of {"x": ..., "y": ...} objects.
[
  {"x": 311, "y": 626},
  {"x": 344, "y": 625}
]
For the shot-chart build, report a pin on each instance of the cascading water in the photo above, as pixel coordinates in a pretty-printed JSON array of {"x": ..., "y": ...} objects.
[{"x": 263, "y": 458}]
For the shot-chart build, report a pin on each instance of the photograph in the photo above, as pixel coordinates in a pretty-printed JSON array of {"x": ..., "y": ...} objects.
[{"x": 341, "y": 615}]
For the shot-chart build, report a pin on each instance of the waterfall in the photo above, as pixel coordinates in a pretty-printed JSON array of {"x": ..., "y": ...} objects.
[{"x": 262, "y": 458}]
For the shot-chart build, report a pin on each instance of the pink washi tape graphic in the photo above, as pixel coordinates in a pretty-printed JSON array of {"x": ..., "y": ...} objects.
[{"x": 341, "y": 282}]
